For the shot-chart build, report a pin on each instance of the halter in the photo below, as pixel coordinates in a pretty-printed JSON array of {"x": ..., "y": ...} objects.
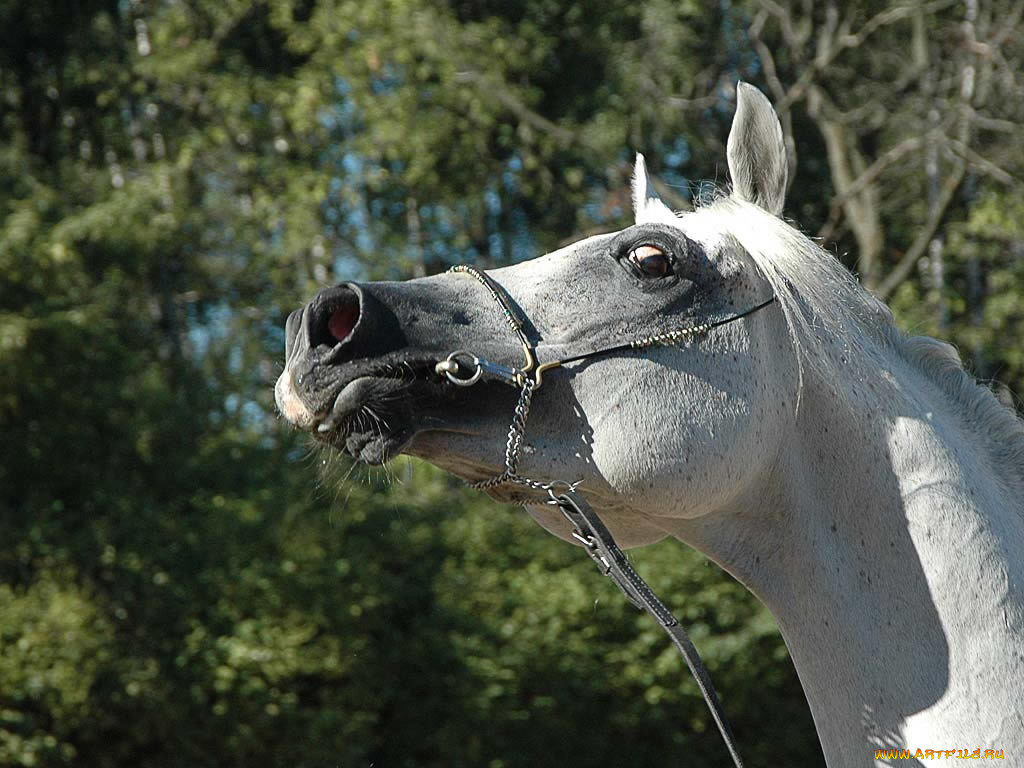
[{"x": 588, "y": 528}]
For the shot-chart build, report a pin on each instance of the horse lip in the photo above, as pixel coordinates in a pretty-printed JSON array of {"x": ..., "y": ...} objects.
[
  {"x": 364, "y": 388},
  {"x": 289, "y": 404},
  {"x": 347, "y": 402},
  {"x": 369, "y": 412}
]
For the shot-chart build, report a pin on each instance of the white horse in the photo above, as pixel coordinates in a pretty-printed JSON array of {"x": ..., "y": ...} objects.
[{"x": 856, "y": 479}]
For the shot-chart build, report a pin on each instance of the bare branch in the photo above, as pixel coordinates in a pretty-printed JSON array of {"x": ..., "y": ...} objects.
[
  {"x": 868, "y": 176},
  {"x": 516, "y": 106},
  {"x": 980, "y": 163},
  {"x": 771, "y": 74},
  {"x": 826, "y": 37},
  {"x": 994, "y": 123},
  {"x": 891, "y": 16},
  {"x": 917, "y": 248},
  {"x": 785, "y": 22},
  {"x": 701, "y": 102},
  {"x": 1007, "y": 26},
  {"x": 778, "y": 90},
  {"x": 829, "y": 48}
]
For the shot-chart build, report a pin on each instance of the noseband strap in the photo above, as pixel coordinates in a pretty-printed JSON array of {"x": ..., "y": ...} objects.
[
  {"x": 516, "y": 320},
  {"x": 588, "y": 528}
]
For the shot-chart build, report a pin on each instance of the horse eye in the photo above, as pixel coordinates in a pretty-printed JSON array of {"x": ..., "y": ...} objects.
[{"x": 651, "y": 261}]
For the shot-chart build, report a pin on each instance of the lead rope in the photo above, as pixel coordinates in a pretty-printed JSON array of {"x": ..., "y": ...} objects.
[
  {"x": 600, "y": 545},
  {"x": 588, "y": 529}
]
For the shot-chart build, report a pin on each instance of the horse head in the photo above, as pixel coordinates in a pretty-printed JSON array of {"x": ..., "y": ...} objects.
[{"x": 667, "y": 430}]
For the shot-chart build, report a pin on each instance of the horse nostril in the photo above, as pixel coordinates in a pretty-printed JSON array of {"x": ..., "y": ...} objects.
[
  {"x": 342, "y": 320},
  {"x": 334, "y": 315}
]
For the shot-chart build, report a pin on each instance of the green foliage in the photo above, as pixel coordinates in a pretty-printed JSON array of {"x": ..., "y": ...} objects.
[
  {"x": 53, "y": 646},
  {"x": 985, "y": 259}
]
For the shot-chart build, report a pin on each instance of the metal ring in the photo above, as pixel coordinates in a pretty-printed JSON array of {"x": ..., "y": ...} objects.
[
  {"x": 555, "y": 484},
  {"x": 452, "y": 364}
]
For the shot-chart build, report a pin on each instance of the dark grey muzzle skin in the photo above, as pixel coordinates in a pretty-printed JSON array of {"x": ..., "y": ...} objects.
[{"x": 362, "y": 390}]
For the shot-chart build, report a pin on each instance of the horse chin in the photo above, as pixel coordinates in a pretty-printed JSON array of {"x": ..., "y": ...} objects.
[
  {"x": 369, "y": 418},
  {"x": 448, "y": 449},
  {"x": 368, "y": 447}
]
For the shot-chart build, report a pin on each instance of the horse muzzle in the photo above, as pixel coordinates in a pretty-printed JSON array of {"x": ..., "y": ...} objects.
[
  {"x": 344, "y": 367},
  {"x": 358, "y": 357}
]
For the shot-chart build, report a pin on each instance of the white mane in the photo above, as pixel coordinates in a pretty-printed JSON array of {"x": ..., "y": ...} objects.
[{"x": 825, "y": 306}]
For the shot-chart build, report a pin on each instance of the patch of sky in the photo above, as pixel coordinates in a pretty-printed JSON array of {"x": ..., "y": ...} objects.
[
  {"x": 522, "y": 244},
  {"x": 510, "y": 176},
  {"x": 386, "y": 80},
  {"x": 729, "y": 35},
  {"x": 444, "y": 221},
  {"x": 277, "y": 235},
  {"x": 217, "y": 182},
  {"x": 273, "y": 332},
  {"x": 341, "y": 118},
  {"x": 493, "y": 201},
  {"x": 347, "y": 267},
  {"x": 439, "y": 250},
  {"x": 206, "y": 325},
  {"x": 594, "y": 207},
  {"x": 352, "y": 163},
  {"x": 678, "y": 182},
  {"x": 252, "y": 415},
  {"x": 495, "y": 247},
  {"x": 678, "y": 155},
  {"x": 235, "y": 358},
  {"x": 199, "y": 338},
  {"x": 360, "y": 224}
]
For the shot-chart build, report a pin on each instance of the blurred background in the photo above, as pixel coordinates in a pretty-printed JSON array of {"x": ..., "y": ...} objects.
[{"x": 184, "y": 581}]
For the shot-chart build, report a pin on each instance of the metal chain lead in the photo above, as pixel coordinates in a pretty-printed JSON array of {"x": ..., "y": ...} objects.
[
  {"x": 670, "y": 337},
  {"x": 513, "y": 448},
  {"x": 514, "y": 443}
]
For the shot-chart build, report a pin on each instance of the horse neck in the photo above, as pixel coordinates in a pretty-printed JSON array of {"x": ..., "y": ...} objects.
[{"x": 890, "y": 555}]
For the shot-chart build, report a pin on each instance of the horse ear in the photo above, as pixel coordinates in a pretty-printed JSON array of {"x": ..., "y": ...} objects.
[
  {"x": 757, "y": 151},
  {"x": 647, "y": 206}
]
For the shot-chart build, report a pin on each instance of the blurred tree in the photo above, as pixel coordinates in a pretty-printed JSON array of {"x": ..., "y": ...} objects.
[
  {"x": 178, "y": 583},
  {"x": 918, "y": 110}
]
